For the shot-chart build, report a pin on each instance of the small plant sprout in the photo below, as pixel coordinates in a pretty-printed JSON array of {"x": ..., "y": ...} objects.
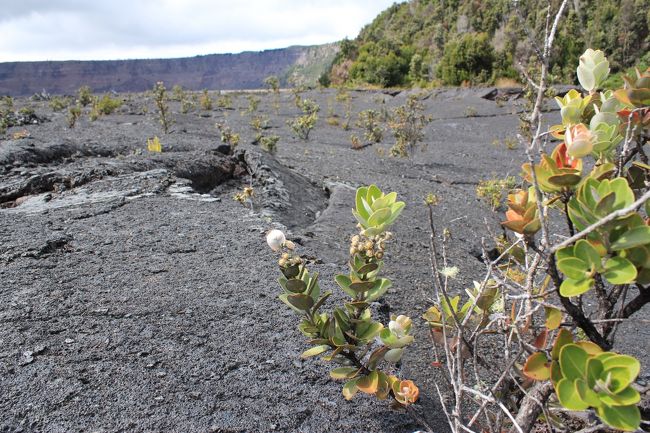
[
  {"x": 348, "y": 335},
  {"x": 228, "y": 136},
  {"x": 245, "y": 196},
  {"x": 154, "y": 145}
]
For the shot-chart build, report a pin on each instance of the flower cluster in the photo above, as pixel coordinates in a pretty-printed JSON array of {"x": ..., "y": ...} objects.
[{"x": 370, "y": 246}]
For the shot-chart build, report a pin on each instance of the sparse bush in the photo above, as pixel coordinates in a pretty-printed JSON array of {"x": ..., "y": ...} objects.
[
  {"x": 178, "y": 94},
  {"x": 333, "y": 121},
  {"x": 269, "y": 143},
  {"x": 224, "y": 101},
  {"x": 186, "y": 106},
  {"x": 470, "y": 111},
  {"x": 369, "y": 121},
  {"x": 205, "y": 101},
  {"x": 85, "y": 96},
  {"x": 492, "y": 190},
  {"x": 253, "y": 104},
  {"x": 259, "y": 123},
  {"x": 74, "y": 113},
  {"x": 273, "y": 83},
  {"x": 160, "y": 99},
  {"x": 344, "y": 97},
  {"x": 228, "y": 136},
  {"x": 356, "y": 142},
  {"x": 408, "y": 123},
  {"x": 302, "y": 125},
  {"x": 59, "y": 103},
  {"x": 106, "y": 105}
]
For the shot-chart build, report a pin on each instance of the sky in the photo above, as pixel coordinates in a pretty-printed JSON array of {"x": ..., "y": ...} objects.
[{"x": 127, "y": 29}]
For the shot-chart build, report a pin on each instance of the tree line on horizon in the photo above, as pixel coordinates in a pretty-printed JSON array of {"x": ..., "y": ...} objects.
[{"x": 467, "y": 42}]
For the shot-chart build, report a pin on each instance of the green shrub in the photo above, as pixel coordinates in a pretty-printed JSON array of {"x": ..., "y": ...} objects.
[
  {"x": 269, "y": 143},
  {"x": 85, "y": 96},
  {"x": 369, "y": 121},
  {"x": 59, "y": 103},
  {"x": 160, "y": 99},
  {"x": 407, "y": 124},
  {"x": 107, "y": 105},
  {"x": 467, "y": 59},
  {"x": 74, "y": 113},
  {"x": 205, "y": 101}
]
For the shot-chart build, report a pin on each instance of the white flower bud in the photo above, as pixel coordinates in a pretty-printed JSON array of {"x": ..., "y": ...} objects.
[{"x": 275, "y": 239}]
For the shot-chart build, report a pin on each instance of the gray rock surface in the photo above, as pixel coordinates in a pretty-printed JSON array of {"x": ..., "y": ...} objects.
[{"x": 137, "y": 295}]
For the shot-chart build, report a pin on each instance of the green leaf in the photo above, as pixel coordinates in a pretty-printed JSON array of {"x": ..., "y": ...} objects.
[
  {"x": 537, "y": 367},
  {"x": 369, "y": 383},
  {"x": 366, "y": 269},
  {"x": 344, "y": 373},
  {"x": 350, "y": 389},
  {"x": 624, "y": 194},
  {"x": 296, "y": 286},
  {"x": 625, "y": 397},
  {"x": 619, "y": 270},
  {"x": 573, "y": 362},
  {"x": 395, "y": 211},
  {"x": 283, "y": 297},
  {"x": 587, "y": 253},
  {"x": 300, "y": 301},
  {"x": 371, "y": 331},
  {"x": 632, "y": 238},
  {"x": 364, "y": 286},
  {"x": 379, "y": 217},
  {"x": 571, "y": 287},
  {"x": 563, "y": 338},
  {"x": 394, "y": 355},
  {"x": 361, "y": 194},
  {"x": 568, "y": 395},
  {"x": 360, "y": 219},
  {"x": 314, "y": 351},
  {"x": 626, "y": 418},
  {"x": 626, "y": 361},
  {"x": 574, "y": 268},
  {"x": 373, "y": 193},
  {"x": 567, "y": 179},
  {"x": 594, "y": 370},
  {"x": 344, "y": 283},
  {"x": 553, "y": 318},
  {"x": 586, "y": 394},
  {"x": 379, "y": 291}
]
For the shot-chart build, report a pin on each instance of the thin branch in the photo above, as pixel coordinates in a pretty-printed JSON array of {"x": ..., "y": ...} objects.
[{"x": 609, "y": 218}]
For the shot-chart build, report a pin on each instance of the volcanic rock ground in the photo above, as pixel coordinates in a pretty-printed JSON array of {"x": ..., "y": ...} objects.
[{"x": 137, "y": 295}]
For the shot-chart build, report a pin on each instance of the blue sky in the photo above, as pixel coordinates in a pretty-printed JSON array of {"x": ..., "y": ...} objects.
[{"x": 124, "y": 29}]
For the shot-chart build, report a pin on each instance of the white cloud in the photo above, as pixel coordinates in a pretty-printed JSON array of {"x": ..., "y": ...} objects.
[{"x": 120, "y": 29}]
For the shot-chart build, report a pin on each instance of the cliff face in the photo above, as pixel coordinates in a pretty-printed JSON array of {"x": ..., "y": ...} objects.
[{"x": 216, "y": 71}]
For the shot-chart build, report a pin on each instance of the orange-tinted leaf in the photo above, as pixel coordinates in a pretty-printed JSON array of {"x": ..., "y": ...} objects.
[
  {"x": 540, "y": 340},
  {"x": 537, "y": 367}
]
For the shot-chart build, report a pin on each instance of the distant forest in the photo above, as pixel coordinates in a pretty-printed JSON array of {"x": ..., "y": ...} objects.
[{"x": 454, "y": 42}]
